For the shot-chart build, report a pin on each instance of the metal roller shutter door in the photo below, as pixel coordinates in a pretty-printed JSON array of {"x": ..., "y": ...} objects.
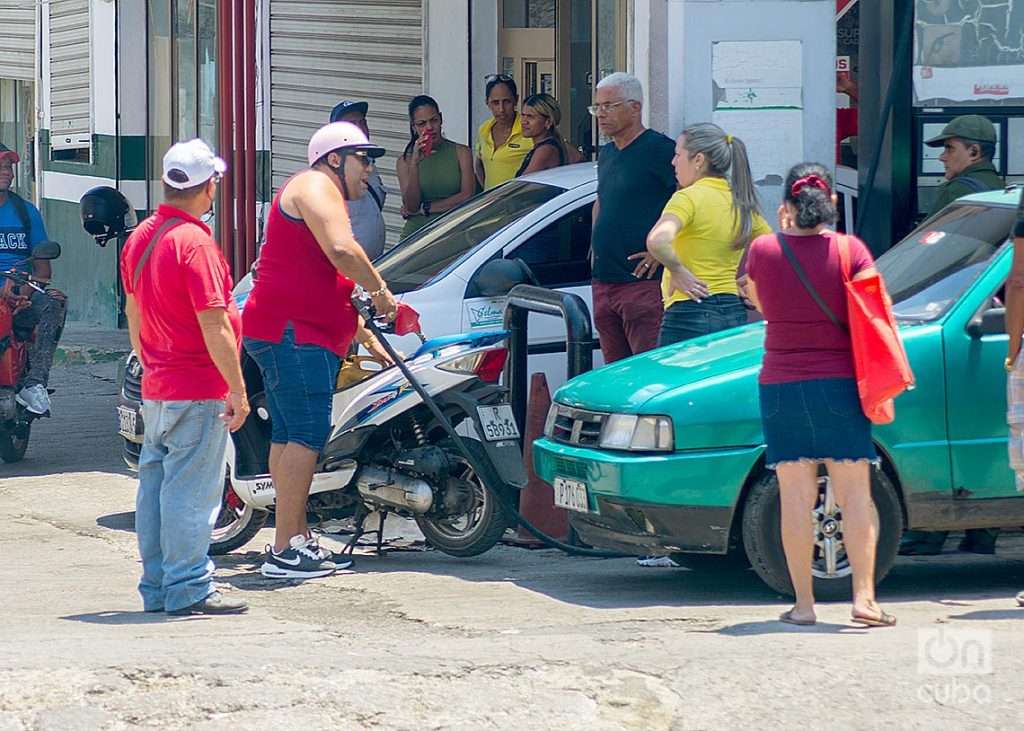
[
  {"x": 70, "y": 74},
  {"x": 18, "y": 51},
  {"x": 322, "y": 51}
]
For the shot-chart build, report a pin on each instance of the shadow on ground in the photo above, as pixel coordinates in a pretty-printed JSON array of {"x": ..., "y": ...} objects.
[{"x": 129, "y": 618}]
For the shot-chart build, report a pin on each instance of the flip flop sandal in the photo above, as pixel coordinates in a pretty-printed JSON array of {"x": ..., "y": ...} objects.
[
  {"x": 787, "y": 617},
  {"x": 882, "y": 620}
]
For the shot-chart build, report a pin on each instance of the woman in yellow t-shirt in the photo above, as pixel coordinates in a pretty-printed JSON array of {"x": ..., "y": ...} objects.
[
  {"x": 702, "y": 233},
  {"x": 500, "y": 143}
]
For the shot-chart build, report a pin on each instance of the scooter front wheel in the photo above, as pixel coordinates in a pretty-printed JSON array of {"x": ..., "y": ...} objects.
[
  {"x": 236, "y": 525},
  {"x": 14, "y": 443},
  {"x": 480, "y": 519}
]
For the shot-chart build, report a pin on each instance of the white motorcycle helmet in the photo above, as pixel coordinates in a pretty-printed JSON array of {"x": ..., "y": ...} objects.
[{"x": 340, "y": 137}]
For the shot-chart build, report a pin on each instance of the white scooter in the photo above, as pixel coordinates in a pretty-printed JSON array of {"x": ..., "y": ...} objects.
[{"x": 387, "y": 452}]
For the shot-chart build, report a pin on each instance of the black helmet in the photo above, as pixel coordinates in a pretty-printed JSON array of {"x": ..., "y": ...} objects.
[{"x": 106, "y": 213}]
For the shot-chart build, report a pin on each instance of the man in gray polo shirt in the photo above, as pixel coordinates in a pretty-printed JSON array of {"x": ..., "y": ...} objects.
[{"x": 366, "y": 213}]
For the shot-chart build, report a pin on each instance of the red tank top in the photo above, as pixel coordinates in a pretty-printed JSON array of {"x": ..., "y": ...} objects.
[{"x": 296, "y": 283}]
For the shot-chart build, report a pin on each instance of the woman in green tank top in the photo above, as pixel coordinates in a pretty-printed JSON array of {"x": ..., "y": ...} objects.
[{"x": 435, "y": 174}]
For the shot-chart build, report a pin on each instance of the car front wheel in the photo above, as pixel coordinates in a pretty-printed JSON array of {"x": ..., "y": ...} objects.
[{"x": 833, "y": 575}]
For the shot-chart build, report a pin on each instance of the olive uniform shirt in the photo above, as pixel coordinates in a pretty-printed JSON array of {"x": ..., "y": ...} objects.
[{"x": 984, "y": 175}]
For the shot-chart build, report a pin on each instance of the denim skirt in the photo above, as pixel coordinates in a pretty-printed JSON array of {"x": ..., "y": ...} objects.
[{"x": 815, "y": 420}]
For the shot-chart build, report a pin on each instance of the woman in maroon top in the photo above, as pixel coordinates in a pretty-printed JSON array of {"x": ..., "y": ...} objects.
[
  {"x": 299, "y": 321},
  {"x": 810, "y": 408}
]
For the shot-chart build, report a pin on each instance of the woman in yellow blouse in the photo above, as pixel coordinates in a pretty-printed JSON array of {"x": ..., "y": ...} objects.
[
  {"x": 702, "y": 233},
  {"x": 500, "y": 145}
]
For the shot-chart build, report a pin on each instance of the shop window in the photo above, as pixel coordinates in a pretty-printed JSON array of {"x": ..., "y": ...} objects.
[
  {"x": 968, "y": 53},
  {"x": 182, "y": 78},
  {"x": 559, "y": 254},
  {"x": 528, "y": 13}
]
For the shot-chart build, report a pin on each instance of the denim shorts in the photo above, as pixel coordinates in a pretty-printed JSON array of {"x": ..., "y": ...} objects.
[
  {"x": 299, "y": 383},
  {"x": 689, "y": 319},
  {"x": 814, "y": 420}
]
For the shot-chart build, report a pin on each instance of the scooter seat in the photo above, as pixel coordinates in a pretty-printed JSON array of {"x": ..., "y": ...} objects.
[{"x": 477, "y": 340}]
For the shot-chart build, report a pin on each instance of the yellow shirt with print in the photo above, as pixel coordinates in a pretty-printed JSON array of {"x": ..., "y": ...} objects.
[
  {"x": 705, "y": 244},
  {"x": 503, "y": 163}
]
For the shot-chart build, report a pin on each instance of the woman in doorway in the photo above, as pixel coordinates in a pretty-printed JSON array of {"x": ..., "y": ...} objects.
[
  {"x": 540, "y": 118},
  {"x": 810, "y": 409},
  {"x": 702, "y": 233},
  {"x": 434, "y": 173},
  {"x": 501, "y": 145}
]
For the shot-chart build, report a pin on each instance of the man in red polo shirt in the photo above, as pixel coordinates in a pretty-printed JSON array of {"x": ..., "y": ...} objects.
[{"x": 186, "y": 328}]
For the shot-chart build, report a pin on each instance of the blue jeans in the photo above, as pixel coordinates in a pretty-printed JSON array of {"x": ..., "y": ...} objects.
[
  {"x": 181, "y": 485},
  {"x": 299, "y": 381},
  {"x": 688, "y": 319}
]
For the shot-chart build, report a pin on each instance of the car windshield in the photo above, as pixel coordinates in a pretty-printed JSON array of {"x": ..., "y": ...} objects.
[
  {"x": 929, "y": 270},
  {"x": 432, "y": 251}
]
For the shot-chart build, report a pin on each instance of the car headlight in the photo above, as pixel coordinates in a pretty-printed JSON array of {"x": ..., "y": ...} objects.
[{"x": 638, "y": 433}]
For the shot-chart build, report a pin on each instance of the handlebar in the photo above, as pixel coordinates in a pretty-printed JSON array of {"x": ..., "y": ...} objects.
[{"x": 21, "y": 279}]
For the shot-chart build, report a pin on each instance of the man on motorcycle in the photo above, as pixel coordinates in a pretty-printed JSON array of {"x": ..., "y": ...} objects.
[
  {"x": 21, "y": 230},
  {"x": 299, "y": 322}
]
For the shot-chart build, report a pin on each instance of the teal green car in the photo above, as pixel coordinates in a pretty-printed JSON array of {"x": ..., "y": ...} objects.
[{"x": 663, "y": 454}]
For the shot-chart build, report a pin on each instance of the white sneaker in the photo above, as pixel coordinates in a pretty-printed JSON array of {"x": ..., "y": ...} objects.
[{"x": 34, "y": 398}]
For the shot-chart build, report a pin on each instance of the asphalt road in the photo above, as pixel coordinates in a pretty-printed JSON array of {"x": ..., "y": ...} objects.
[{"x": 513, "y": 639}]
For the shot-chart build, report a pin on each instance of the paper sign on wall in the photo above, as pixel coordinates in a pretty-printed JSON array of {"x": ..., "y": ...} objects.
[{"x": 758, "y": 93}]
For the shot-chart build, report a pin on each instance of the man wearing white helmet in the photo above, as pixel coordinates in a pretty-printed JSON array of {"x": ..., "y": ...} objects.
[{"x": 299, "y": 322}]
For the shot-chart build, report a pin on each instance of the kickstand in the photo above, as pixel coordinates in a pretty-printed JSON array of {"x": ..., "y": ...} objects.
[{"x": 360, "y": 531}]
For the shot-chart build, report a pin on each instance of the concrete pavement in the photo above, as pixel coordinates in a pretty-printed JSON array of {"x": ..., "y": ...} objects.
[{"x": 510, "y": 640}]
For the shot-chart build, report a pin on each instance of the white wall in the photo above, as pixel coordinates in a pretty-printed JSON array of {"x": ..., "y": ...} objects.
[
  {"x": 101, "y": 40},
  {"x": 695, "y": 24},
  {"x": 131, "y": 66},
  {"x": 447, "y": 64}
]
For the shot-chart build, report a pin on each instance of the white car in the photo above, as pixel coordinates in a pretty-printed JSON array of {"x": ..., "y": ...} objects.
[{"x": 543, "y": 219}]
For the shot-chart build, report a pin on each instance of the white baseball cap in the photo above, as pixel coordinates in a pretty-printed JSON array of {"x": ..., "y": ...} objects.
[
  {"x": 340, "y": 136},
  {"x": 191, "y": 163}
]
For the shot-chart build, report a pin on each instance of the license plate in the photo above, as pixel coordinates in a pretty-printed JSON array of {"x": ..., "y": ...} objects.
[
  {"x": 498, "y": 422},
  {"x": 571, "y": 494},
  {"x": 127, "y": 423}
]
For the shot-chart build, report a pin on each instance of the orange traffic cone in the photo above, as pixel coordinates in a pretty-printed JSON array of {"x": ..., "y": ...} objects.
[{"x": 537, "y": 499}]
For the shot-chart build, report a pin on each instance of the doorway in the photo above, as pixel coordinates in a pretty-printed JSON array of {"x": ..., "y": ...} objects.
[
  {"x": 18, "y": 132},
  {"x": 560, "y": 47}
]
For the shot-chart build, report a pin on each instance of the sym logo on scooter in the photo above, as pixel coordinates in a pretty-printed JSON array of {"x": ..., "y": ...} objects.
[{"x": 263, "y": 486}]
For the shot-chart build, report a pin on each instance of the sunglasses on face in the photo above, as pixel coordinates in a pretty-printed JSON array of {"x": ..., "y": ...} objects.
[{"x": 362, "y": 157}]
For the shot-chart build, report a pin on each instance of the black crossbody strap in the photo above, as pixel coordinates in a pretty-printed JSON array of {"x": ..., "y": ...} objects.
[
  {"x": 807, "y": 283},
  {"x": 164, "y": 228}
]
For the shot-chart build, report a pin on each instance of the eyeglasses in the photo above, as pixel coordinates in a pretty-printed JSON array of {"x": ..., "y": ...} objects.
[
  {"x": 497, "y": 77},
  {"x": 362, "y": 157},
  {"x": 596, "y": 109}
]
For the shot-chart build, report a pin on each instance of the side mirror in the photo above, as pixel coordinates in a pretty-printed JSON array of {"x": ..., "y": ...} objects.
[
  {"x": 46, "y": 250},
  {"x": 990, "y": 322},
  {"x": 497, "y": 277}
]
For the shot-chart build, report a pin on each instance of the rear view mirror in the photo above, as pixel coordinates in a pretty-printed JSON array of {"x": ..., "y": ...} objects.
[
  {"x": 991, "y": 322},
  {"x": 497, "y": 277},
  {"x": 46, "y": 250}
]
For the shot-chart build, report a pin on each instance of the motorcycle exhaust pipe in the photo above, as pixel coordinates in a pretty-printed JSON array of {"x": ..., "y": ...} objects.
[{"x": 394, "y": 490}]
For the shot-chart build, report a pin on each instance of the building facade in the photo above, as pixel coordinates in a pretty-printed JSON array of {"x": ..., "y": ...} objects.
[{"x": 107, "y": 85}]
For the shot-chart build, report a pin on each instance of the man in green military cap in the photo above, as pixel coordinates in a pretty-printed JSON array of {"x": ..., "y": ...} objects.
[{"x": 969, "y": 144}]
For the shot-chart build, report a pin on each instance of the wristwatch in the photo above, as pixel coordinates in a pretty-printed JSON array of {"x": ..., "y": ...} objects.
[{"x": 426, "y": 208}]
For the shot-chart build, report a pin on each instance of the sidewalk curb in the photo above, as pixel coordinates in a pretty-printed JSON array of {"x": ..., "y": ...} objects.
[{"x": 84, "y": 355}]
